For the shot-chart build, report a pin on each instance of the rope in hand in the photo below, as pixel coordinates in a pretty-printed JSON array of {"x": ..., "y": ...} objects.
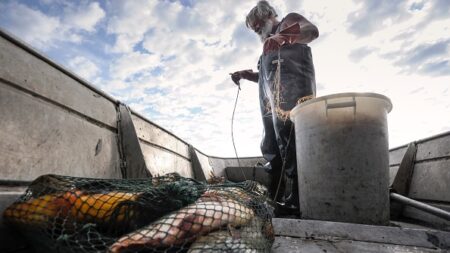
[{"x": 232, "y": 131}]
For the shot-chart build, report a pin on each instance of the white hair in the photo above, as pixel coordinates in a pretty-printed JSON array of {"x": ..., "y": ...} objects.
[{"x": 261, "y": 11}]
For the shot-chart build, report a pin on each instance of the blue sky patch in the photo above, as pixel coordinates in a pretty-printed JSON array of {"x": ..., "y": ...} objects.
[
  {"x": 155, "y": 90},
  {"x": 195, "y": 110},
  {"x": 417, "y": 6}
]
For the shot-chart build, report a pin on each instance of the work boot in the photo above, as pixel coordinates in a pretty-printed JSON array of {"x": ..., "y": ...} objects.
[
  {"x": 293, "y": 198},
  {"x": 275, "y": 181},
  {"x": 282, "y": 210},
  {"x": 274, "y": 170},
  {"x": 290, "y": 208}
]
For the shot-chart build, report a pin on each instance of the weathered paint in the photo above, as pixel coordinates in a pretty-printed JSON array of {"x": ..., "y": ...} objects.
[
  {"x": 151, "y": 133},
  {"x": 29, "y": 72},
  {"x": 431, "y": 181},
  {"x": 38, "y": 138},
  {"x": 284, "y": 244},
  {"x": 324, "y": 230},
  {"x": 135, "y": 166},
  {"x": 435, "y": 147},
  {"x": 219, "y": 164},
  {"x": 255, "y": 173},
  {"x": 160, "y": 161},
  {"x": 429, "y": 219}
]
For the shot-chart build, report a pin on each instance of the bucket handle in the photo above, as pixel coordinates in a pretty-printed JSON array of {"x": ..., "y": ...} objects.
[{"x": 341, "y": 105}]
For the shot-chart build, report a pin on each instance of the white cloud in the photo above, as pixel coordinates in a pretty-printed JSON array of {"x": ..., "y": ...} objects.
[
  {"x": 29, "y": 24},
  {"x": 132, "y": 64},
  {"x": 374, "y": 15},
  {"x": 130, "y": 20},
  {"x": 84, "y": 67},
  {"x": 44, "y": 30},
  {"x": 84, "y": 17}
]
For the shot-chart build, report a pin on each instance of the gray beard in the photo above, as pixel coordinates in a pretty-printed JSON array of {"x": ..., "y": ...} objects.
[{"x": 266, "y": 30}]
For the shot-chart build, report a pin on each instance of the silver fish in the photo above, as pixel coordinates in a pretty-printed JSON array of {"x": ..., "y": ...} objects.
[
  {"x": 251, "y": 238},
  {"x": 209, "y": 213}
]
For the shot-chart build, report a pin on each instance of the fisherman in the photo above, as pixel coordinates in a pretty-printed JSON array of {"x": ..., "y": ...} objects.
[{"x": 285, "y": 77}]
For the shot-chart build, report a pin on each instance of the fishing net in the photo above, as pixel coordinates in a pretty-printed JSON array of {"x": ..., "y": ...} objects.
[{"x": 159, "y": 214}]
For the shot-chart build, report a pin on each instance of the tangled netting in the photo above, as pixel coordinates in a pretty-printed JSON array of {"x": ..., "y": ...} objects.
[{"x": 159, "y": 214}]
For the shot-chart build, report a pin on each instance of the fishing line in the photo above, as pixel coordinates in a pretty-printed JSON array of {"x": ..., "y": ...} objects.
[
  {"x": 283, "y": 116},
  {"x": 232, "y": 132},
  {"x": 284, "y": 164}
]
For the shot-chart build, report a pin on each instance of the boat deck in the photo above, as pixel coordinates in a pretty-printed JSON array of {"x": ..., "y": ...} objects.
[{"x": 295, "y": 235}]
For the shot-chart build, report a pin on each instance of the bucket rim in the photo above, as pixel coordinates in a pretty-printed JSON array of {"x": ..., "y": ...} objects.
[{"x": 344, "y": 94}]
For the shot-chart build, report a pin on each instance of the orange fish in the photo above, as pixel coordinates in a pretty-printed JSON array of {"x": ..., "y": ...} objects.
[
  {"x": 76, "y": 205},
  {"x": 99, "y": 207},
  {"x": 38, "y": 210}
]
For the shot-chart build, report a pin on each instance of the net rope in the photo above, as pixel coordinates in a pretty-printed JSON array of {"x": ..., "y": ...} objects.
[{"x": 160, "y": 214}]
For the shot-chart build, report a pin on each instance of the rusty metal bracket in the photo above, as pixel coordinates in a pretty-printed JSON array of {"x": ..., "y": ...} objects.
[
  {"x": 133, "y": 162},
  {"x": 402, "y": 180},
  {"x": 196, "y": 165}
]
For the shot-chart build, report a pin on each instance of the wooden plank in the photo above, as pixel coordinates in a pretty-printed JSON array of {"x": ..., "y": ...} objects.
[
  {"x": 439, "y": 147},
  {"x": 160, "y": 161},
  {"x": 357, "y": 232},
  {"x": 430, "y": 181},
  {"x": 155, "y": 135},
  {"x": 294, "y": 245},
  {"x": 25, "y": 70},
  {"x": 40, "y": 138}
]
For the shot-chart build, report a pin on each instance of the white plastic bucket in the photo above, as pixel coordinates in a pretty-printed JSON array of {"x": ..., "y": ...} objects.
[{"x": 343, "y": 157}]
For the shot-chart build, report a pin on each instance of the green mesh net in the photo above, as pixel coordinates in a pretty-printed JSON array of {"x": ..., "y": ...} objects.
[{"x": 159, "y": 214}]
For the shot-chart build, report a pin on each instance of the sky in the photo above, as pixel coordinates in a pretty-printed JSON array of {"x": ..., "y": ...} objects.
[{"x": 170, "y": 60}]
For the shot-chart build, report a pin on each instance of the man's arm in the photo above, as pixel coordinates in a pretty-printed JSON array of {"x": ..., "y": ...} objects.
[
  {"x": 308, "y": 31},
  {"x": 247, "y": 74},
  {"x": 294, "y": 29}
]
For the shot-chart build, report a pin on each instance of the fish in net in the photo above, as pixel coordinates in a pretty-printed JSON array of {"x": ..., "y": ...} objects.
[{"x": 160, "y": 214}]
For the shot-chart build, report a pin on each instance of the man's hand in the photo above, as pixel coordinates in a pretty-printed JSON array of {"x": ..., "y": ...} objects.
[
  {"x": 288, "y": 35},
  {"x": 247, "y": 74}
]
